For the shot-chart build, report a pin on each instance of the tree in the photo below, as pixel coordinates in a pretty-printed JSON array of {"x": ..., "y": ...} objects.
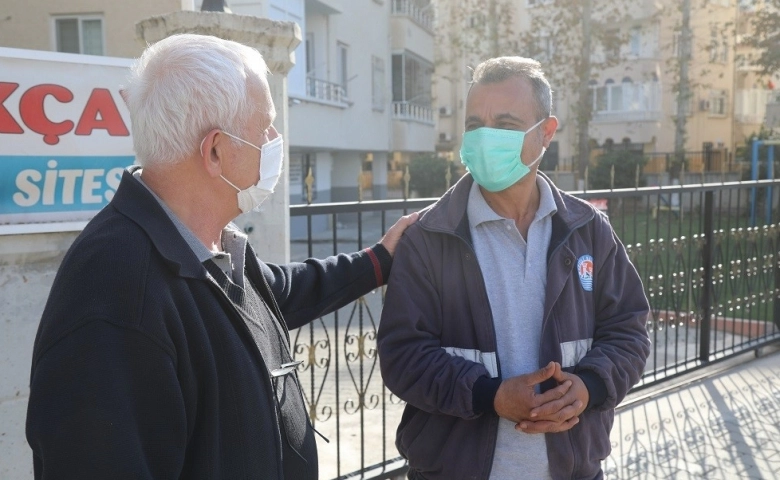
[
  {"x": 575, "y": 39},
  {"x": 625, "y": 164},
  {"x": 428, "y": 174},
  {"x": 683, "y": 89},
  {"x": 766, "y": 37}
]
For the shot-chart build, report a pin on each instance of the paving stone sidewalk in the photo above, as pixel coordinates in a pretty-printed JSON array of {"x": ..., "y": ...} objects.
[{"x": 723, "y": 426}]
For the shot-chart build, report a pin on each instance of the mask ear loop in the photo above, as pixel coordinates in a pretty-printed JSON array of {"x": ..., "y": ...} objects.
[
  {"x": 544, "y": 149},
  {"x": 200, "y": 149}
]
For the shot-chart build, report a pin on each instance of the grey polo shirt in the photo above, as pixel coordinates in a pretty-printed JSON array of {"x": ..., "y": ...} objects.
[{"x": 515, "y": 273}]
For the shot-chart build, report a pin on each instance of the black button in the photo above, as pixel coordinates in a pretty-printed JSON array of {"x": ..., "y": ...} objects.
[{"x": 567, "y": 262}]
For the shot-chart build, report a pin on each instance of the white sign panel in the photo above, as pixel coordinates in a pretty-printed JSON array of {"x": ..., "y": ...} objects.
[{"x": 64, "y": 136}]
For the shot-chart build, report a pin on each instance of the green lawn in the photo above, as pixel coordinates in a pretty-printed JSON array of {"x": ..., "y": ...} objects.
[{"x": 667, "y": 252}]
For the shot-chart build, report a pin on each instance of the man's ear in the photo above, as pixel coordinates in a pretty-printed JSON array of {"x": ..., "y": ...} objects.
[
  {"x": 211, "y": 152},
  {"x": 123, "y": 94},
  {"x": 549, "y": 127}
]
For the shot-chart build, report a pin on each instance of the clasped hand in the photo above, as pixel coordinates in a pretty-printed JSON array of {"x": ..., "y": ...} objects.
[{"x": 555, "y": 410}]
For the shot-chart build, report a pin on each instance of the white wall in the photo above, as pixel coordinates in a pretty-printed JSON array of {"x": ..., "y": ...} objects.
[{"x": 27, "y": 268}]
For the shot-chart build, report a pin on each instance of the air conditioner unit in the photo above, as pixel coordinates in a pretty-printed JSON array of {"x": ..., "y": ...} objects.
[
  {"x": 445, "y": 137},
  {"x": 445, "y": 111},
  {"x": 704, "y": 105}
]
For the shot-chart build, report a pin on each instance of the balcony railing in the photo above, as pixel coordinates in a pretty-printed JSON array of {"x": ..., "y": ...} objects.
[
  {"x": 420, "y": 15},
  {"x": 628, "y": 116},
  {"x": 627, "y": 102},
  {"x": 326, "y": 91},
  {"x": 412, "y": 111},
  {"x": 750, "y": 105}
]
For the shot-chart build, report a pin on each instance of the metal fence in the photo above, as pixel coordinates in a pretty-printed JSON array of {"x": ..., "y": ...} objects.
[{"x": 708, "y": 255}]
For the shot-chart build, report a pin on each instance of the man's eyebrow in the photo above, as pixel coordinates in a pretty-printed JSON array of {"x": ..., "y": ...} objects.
[
  {"x": 473, "y": 118},
  {"x": 508, "y": 116}
]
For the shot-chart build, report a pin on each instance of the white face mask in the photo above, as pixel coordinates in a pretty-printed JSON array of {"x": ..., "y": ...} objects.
[{"x": 271, "y": 156}]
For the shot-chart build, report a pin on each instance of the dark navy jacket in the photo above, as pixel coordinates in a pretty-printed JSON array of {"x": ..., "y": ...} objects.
[
  {"x": 437, "y": 341},
  {"x": 142, "y": 370}
]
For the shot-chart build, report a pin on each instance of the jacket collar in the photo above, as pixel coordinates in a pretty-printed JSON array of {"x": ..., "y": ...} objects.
[
  {"x": 448, "y": 214},
  {"x": 135, "y": 202}
]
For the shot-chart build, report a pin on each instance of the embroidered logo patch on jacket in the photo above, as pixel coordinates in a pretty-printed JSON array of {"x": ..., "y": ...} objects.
[{"x": 585, "y": 271}]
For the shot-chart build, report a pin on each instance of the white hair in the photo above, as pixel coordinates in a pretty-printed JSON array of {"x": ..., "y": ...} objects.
[{"x": 185, "y": 85}]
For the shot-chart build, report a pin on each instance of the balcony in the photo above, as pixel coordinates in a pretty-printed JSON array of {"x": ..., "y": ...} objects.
[
  {"x": 626, "y": 102},
  {"x": 324, "y": 7},
  {"x": 422, "y": 16},
  {"x": 751, "y": 105},
  {"x": 326, "y": 92},
  {"x": 628, "y": 116},
  {"x": 413, "y": 127},
  {"x": 412, "y": 112}
]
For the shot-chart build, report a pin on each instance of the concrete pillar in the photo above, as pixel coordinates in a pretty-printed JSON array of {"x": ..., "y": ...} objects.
[
  {"x": 344, "y": 179},
  {"x": 323, "y": 172},
  {"x": 379, "y": 171},
  {"x": 269, "y": 230},
  {"x": 28, "y": 264}
]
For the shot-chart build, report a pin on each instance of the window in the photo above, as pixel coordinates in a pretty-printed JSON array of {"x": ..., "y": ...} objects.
[
  {"x": 343, "y": 72},
  {"x": 79, "y": 34},
  {"x": 612, "y": 45},
  {"x": 546, "y": 47},
  {"x": 310, "y": 64},
  {"x": 411, "y": 79},
  {"x": 377, "y": 83},
  {"x": 614, "y": 96},
  {"x": 717, "y": 102},
  {"x": 635, "y": 41},
  {"x": 677, "y": 50},
  {"x": 625, "y": 97},
  {"x": 714, "y": 44}
]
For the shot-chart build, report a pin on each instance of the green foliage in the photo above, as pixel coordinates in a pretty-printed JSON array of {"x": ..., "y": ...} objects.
[
  {"x": 428, "y": 174},
  {"x": 766, "y": 37},
  {"x": 744, "y": 153},
  {"x": 625, "y": 163}
]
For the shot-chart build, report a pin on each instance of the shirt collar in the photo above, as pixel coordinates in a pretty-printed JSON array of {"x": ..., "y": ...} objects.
[
  {"x": 479, "y": 211},
  {"x": 237, "y": 238}
]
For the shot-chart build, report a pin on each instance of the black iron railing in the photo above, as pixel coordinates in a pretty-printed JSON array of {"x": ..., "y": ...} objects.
[{"x": 708, "y": 254}]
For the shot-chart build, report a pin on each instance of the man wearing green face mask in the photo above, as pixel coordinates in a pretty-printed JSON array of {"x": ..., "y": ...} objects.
[{"x": 515, "y": 322}]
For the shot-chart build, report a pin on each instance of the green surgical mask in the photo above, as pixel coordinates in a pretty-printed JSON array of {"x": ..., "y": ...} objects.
[{"x": 492, "y": 156}]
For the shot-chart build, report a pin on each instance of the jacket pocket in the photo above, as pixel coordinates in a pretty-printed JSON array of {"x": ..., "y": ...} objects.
[
  {"x": 423, "y": 440},
  {"x": 412, "y": 423},
  {"x": 591, "y": 441}
]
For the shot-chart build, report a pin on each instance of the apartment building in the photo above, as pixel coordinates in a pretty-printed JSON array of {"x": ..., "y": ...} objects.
[
  {"x": 756, "y": 94},
  {"x": 360, "y": 93},
  {"x": 634, "y": 82},
  {"x": 360, "y": 103}
]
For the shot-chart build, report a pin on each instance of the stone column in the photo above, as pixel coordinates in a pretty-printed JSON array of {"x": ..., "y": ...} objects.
[{"x": 269, "y": 230}]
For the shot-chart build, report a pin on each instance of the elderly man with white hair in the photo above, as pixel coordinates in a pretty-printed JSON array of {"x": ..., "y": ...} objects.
[{"x": 163, "y": 350}]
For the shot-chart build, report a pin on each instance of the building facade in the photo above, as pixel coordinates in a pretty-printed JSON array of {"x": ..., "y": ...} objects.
[
  {"x": 634, "y": 78},
  {"x": 360, "y": 93}
]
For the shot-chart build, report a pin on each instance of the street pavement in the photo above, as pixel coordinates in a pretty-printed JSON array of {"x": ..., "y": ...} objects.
[{"x": 724, "y": 423}]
